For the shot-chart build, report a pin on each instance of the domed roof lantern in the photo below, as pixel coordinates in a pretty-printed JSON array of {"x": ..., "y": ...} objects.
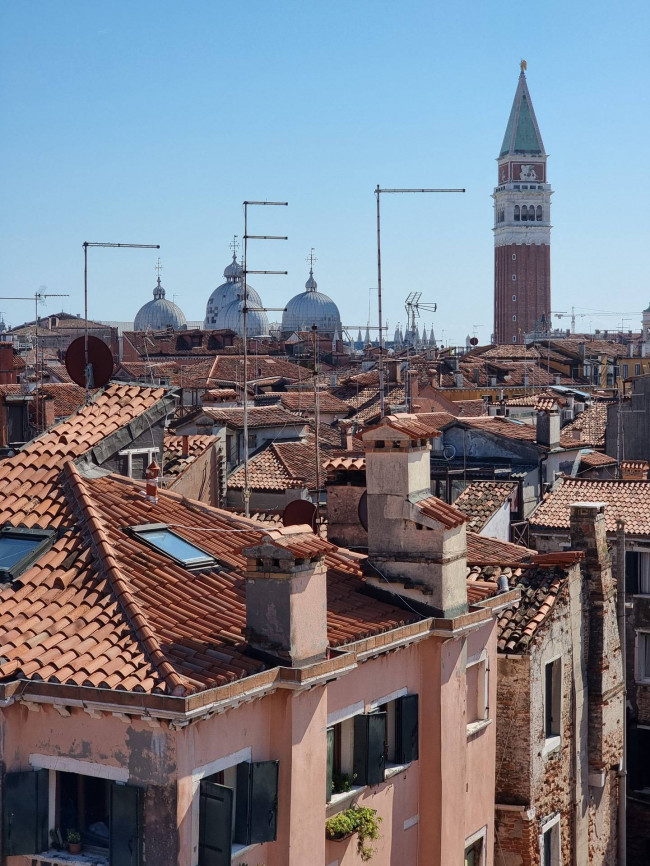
[
  {"x": 233, "y": 271},
  {"x": 158, "y": 292},
  {"x": 311, "y": 285}
]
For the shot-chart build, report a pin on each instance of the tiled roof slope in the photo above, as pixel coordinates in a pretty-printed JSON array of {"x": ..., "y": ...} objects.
[
  {"x": 500, "y": 426},
  {"x": 130, "y": 617},
  {"x": 29, "y": 491},
  {"x": 629, "y": 500},
  {"x": 174, "y": 463},
  {"x": 67, "y": 397},
  {"x": 482, "y": 550},
  {"x": 258, "y": 416},
  {"x": 591, "y": 424},
  {"x": 480, "y": 500},
  {"x": 591, "y": 459},
  {"x": 266, "y": 471},
  {"x": 230, "y": 369},
  {"x": 304, "y": 401},
  {"x": 540, "y": 589}
]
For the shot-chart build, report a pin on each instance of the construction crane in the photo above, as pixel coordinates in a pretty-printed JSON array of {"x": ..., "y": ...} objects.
[{"x": 573, "y": 316}]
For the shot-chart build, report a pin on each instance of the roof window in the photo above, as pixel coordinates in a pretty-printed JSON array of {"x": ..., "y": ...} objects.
[
  {"x": 20, "y": 548},
  {"x": 161, "y": 538}
]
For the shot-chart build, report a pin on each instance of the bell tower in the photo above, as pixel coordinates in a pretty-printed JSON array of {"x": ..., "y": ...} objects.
[{"x": 522, "y": 225}]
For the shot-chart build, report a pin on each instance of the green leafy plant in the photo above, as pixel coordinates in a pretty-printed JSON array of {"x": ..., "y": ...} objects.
[
  {"x": 358, "y": 819},
  {"x": 73, "y": 837},
  {"x": 342, "y": 782}
]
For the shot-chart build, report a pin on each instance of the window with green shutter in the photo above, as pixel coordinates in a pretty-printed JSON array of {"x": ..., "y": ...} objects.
[{"x": 24, "y": 812}]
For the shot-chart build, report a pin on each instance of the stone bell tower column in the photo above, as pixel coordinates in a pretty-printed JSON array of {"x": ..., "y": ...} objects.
[{"x": 522, "y": 226}]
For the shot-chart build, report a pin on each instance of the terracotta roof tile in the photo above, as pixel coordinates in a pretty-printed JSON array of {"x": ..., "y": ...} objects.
[
  {"x": 480, "y": 501},
  {"x": 482, "y": 550},
  {"x": 590, "y": 424},
  {"x": 258, "y": 416},
  {"x": 436, "y": 509},
  {"x": 629, "y": 500},
  {"x": 304, "y": 401},
  {"x": 540, "y": 590}
]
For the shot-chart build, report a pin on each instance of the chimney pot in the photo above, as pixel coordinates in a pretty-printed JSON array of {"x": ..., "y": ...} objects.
[{"x": 185, "y": 447}]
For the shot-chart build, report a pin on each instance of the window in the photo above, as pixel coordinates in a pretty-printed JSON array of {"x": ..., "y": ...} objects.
[
  {"x": 340, "y": 758},
  {"x": 475, "y": 849},
  {"x": 626, "y": 371},
  {"x": 20, "y": 548},
  {"x": 514, "y": 297},
  {"x": 136, "y": 460},
  {"x": 237, "y": 806},
  {"x": 514, "y": 278},
  {"x": 550, "y": 842},
  {"x": 552, "y": 698},
  {"x": 517, "y": 217},
  {"x": 514, "y": 339},
  {"x": 637, "y": 369},
  {"x": 386, "y": 737},
  {"x": 514, "y": 318},
  {"x": 477, "y": 684},
  {"x": 514, "y": 257},
  {"x": 637, "y": 573},
  {"x": 643, "y": 655},
  {"x": 539, "y": 213},
  {"x": 107, "y": 815},
  {"x": 524, "y": 213},
  {"x": 161, "y": 538}
]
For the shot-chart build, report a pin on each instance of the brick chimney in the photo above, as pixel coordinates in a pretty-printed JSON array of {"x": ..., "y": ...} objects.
[
  {"x": 346, "y": 429},
  {"x": 7, "y": 372},
  {"x": 414, "y": 539},
  {"x": 286, "y": 596},
  {"x": 185, "y": 445},
  {"x": 412, "y": 386},
  {"x": 604, "y": 660},
  {"x": 548, "y": 428}
]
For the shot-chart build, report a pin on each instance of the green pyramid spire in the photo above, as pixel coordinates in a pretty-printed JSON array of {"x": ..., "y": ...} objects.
[{"x": 522, "y": 133}]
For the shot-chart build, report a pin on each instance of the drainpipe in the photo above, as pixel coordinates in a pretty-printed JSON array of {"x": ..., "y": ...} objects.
[{"x": 620, "y": 606}]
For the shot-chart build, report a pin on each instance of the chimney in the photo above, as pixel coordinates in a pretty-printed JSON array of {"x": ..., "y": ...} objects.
[
  {"x": 286, "y": 596},
  {"x": 630, "y": 350},
  {"x": 414, "y": 539},
  {"x": 412, "y": 385},
  {"x": 393, "y": 371},
  {"x": 185, "y": 445},
  {"x": 604, "y": 661},
  {"x": 557, "y": 380},
  {"x": 548, "y": 428},
  {"x": 458, "y": 380},
  {"x": 7, "y": 372},
  {"x": 346, "y": 429}
]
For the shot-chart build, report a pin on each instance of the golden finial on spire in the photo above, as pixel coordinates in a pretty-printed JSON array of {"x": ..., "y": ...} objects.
[{"x": 523, "y": 66}]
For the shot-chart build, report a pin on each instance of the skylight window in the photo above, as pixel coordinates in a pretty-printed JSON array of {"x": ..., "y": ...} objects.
[
  {"x": 20, "y": 548},
  {"x": 160, "y": 537}
]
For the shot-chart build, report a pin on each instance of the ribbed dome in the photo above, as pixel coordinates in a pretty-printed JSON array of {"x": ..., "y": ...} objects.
[
  {"x": 227, "y": 293},
  {"x": 159, "y": 314},
  {"x": 231, "y": 318},
  {"x": 311, "y": 308}
]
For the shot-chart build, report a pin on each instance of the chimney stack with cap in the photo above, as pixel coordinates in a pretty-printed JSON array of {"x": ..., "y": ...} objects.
[
  {"x": 548, "y": 428},
  {"x": 604, "y": 661},
  {"x": 414, "y": 538},
  {"x": 286, "y": 596}
]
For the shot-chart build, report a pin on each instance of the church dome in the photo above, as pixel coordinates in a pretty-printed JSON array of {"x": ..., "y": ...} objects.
[
  {"x": 159, "y": 314},
  {"x": 311, "y": 307},
  {"x": 231, "y": 318},
  {"x": 226, "y": 293}
]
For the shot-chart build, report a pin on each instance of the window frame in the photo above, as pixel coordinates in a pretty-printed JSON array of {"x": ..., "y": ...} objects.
[
  {"x": 480, "y": 661},
  {"x": 642, "y": 676},
  {"x": 45, "y": 539},
  {"x": 208, "y": 561},
  {"x": 480, "y": 837},
  {"x": 129, "y": 454},
  {"x": 550, "y": 831},
  {"x": 552, "y": 676}
]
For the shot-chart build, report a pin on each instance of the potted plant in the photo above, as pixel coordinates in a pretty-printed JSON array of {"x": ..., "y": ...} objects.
[
  {"x": 357, "y": 819},
  {"x": 73, "y": 838}
]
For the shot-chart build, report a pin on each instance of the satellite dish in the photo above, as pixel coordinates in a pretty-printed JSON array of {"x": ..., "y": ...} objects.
[
  {"x": 100, "y": 362},
  {"x": 362, "y": 510},
  {"x": 299, "y": 512},
  {"x": 474, "y": 341}
]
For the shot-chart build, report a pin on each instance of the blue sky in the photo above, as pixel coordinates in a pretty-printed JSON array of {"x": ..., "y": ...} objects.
[{"x": 151, "y": 122}]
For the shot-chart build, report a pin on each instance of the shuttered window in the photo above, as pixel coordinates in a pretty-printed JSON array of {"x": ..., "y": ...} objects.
[
  {"x": 125, "y": 825},
  {"x": 386, "y": 737},
  {"x": 370, "y": 748},
  {"x": 24, "y": 812},
  {"x": 406, "y": 729},
  {"x": 215, "y": 824},
  {"x": 245, "y": 812}
]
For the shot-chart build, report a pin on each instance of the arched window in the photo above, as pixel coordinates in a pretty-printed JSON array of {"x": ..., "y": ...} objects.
[
  {"x": 514, "y": 339},
  {"x": 514, "y": 278},
  {"x": 516, "y": 213},
  {"x": 514, "y": 297},
  {"x": 539, "y": 213},
  {"x": 514, "y": 257},
  {"x": 514, "y": 318}
]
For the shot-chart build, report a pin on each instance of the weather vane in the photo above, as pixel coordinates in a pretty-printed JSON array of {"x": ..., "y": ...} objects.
[
  {"x": 158, "y": 267},
  {"x": 311, "y": 258},
  {"x": 523, "y": 66}
]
